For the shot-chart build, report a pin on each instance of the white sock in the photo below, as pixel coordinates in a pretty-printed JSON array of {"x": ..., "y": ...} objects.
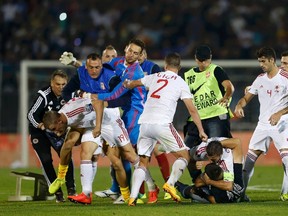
[
  {"x": 138, "y": 177},
  {"x": 149, "y": 181},
  {"x": 284, "y": 156},
  {"x": 86, "y": 175},
  {"x": 94, "y": 169},
  {"x": 177, "y": 170}
]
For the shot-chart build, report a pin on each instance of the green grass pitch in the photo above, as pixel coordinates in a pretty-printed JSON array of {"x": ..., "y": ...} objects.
[{"x": 264, "y": 190}]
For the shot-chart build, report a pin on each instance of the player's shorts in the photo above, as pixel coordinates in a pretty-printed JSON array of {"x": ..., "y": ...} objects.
[
  {"x": 165, "y": 134},
  {"x": 88, "y": 137},
  {"x": 115, "y": 134},
  {"x": 262, "y": 138}
]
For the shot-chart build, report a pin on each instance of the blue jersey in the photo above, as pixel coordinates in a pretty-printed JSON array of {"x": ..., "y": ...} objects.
[
  {"x": 95, "y": 85},
  {"x": 150, "y": 67},
  {"x": 104, "y": 83},
  {"x": 132, "y": 72}
]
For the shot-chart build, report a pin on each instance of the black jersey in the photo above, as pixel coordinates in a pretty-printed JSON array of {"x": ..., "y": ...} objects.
[{"x": 45, "y": 100}]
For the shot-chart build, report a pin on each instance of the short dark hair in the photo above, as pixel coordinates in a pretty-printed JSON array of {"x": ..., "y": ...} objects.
[
  {"x": 266, "y": 52},
  {"x": 94, "y": 56},
  {"x": 214, "y": 148},
  {"x": 214, "y": 171},
  {"x": 109, "y": 47},
  {"x": 203, "y": 53},
  {"x": 173, "y": 60},
  {"x": 284, "y": 53},
  {"x": 50, "y": 117},
  {"x": 139, "y": 43},
  {"x": 59, "y": 72}
]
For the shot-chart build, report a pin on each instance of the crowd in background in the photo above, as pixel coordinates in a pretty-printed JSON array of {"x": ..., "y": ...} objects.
[{"x": 31, "y": 29}]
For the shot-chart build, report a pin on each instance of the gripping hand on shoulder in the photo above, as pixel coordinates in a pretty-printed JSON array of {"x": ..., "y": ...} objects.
[{"x": 67, "y": 58}]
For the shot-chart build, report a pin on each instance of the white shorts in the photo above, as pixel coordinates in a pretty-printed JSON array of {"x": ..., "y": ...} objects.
[
  {"x": 165, "y": 134},
  {"x": 115, "y": 134},
  {"x": 262, "y": 138},
  {"x": 88, "y": 137}
]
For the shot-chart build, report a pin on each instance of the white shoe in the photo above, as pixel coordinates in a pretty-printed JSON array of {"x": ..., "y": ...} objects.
[
  {"x": 120, "y": 200},
  {"x": 106, "y": 194}
]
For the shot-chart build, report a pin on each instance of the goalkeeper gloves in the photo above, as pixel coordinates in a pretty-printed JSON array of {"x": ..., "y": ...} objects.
[{"x": 67, "y": 58}]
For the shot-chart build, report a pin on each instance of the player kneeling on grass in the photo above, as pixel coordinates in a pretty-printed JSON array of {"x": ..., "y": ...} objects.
[{"x": 165, "y": 89}]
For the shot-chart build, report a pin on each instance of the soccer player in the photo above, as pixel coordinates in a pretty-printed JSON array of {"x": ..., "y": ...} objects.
[
  {"x": 164, "y": 90},
  {"x": 108, "y": 53},
  {"x": 272, "y": 91},
  {"x": 284, "y": 60},
  {"x": 79, "y": 114},
  {"x": 48, "y": 98}
]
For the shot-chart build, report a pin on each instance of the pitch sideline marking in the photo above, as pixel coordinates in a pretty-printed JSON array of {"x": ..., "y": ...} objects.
[{"x": 264, "y": 187}]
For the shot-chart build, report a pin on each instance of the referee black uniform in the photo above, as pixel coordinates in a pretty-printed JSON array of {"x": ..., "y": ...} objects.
[{"x": 42, "y": 140}]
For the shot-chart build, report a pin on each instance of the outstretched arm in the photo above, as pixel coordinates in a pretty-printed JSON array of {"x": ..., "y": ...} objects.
[
  {"x": 67, "y": 58},
  {"x": 132, "y": 83}
]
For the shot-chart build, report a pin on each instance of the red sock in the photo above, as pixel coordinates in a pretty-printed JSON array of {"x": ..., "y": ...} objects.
[
  {"x": 164, "y": 166},
  {"x": 142, "y": 189}
]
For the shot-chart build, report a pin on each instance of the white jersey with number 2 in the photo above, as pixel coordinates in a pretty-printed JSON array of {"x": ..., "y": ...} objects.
[{"x": 165, "y": 89}]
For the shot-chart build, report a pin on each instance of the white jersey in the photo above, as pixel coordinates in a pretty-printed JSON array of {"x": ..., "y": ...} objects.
[
  {"x": 80, "y": 114},
  {"x": 225, "y": 162},
  {"x": 272, "y": 95},
  {"x": 165, "y": 89}
]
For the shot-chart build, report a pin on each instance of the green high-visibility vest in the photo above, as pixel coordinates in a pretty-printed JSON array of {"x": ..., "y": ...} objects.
[{"x": 204, "y": 87}]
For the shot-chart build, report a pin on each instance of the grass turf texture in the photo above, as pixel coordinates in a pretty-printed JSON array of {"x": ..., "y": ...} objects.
[{"x": 264, "y": 191}]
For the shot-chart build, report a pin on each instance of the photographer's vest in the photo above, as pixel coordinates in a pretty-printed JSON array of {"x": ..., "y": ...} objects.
[{"x": 204, "y": 87}]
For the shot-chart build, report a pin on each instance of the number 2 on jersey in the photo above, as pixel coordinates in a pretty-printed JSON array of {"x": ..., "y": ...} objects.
[{"x": 164, "y": 83}]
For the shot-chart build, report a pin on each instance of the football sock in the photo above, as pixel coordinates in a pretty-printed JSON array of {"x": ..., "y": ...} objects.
[
  {"x": 238, "y": 177},
  {"x": 86, "y": 176},
  {"x": 177, "y": 170},
  {"x": 284, "y": 156},
  {"x": 138, "y": 177},
  {"x": 149, "y": 181},
  {"x": 94, "y": 169},
  {"x": 62, "y": 170},
  {"x": 125, "y": 192},
  {"x": 164, "y": 165},
  {"x": 248, "y": 169}
]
